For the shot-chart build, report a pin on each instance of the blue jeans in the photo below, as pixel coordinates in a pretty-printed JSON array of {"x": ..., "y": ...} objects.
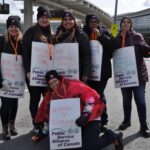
[{"x": 139, "y": 96}]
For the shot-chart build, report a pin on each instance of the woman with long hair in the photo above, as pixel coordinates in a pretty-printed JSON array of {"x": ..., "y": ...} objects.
[
  {"x": 69, "y": 32},
  {"x": 11, "y": 43},
  {"x": 128, "y": 37}
]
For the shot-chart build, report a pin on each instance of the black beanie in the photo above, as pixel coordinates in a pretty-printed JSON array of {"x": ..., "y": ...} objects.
[
  {"x": 13, "y": 20},
  {"x": 67, "y": 14},
  {"x": 52, "y": 74},
  {"x": 42, "y": 11},
  {"x": 126, "y": 17},
  {"x": 89, "y": 17}
]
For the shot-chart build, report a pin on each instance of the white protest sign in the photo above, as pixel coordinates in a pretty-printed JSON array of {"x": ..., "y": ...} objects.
[
  {"x": 64, "y": 133},
  {"x": 66, "y": 60},
  {"x": 13, "y": 76},
  {"x": 97, "y": 52},
  {"x": 40, "y": 63},
  {"x": 125, "y": 69}
]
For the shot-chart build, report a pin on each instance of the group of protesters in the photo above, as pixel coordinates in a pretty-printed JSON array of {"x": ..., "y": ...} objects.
[{"x": 91, "y": 93}]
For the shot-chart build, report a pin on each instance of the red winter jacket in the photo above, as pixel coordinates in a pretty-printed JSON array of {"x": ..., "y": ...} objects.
[{"x": 74, "y": 89}]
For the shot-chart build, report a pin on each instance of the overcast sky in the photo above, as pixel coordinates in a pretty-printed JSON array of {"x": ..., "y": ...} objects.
[{"x": 124, "y": 6}]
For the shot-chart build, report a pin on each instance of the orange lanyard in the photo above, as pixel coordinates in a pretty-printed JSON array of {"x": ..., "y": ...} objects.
[
  {"x": 50, "y": 49},
  {"x": 93, "y": 36},
  {"x": 15, "y": 47},
  {"x": 56, "y": 92},
  {"x": 123, "y": 40}
]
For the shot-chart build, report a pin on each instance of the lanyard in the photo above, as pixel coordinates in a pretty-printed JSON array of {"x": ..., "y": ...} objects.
[{"x": 15, "y": 47}]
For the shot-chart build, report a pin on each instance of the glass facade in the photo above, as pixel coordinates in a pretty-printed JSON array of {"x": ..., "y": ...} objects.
[{"x": 141, "y": 23}]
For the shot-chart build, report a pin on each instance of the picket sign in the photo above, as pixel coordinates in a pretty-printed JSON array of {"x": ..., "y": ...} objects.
[
  {"x": 13, "y": 76},
  {"x": 64, "y": 133},
  {"x": 97, "y": 53},
  {"x": 125, "y": 68},
  {"x": 65, "y": 59}
]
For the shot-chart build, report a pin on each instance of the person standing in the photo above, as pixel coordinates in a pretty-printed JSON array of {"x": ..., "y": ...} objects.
[
  {"x": 69, "y": 32},
  {"x": 94, "y": 32},
  {"x": 128, "y": 37},
  {"x": 11, "y": 43},
  {"x": 40, "y": 32}
]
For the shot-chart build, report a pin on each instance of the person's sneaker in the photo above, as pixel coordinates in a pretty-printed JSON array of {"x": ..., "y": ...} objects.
[
  {"x": 35, "y": 130},
  {"x": 103, "y": 127},
  {"x": 119, "y": 141},
  {"x": 145, "y": 132},
  {"x": 38, "y": 136},
  {"x": 124, "y": 126}
]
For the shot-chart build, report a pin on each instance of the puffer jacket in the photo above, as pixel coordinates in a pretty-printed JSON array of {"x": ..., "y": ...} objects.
[
  {"x": 142, "y": 49},
  {"x": 74, "y": 89}
]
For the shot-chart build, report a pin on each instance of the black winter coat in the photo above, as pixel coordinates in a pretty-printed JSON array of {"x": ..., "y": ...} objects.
[
  {"x": 7, "y": 48},
  {"x": 106, "y": 40},
  {"x": 84, "y": 50},
  {"x": 0, "y": 74},
  {"x": 141, "y": 50},
  {"x": 28, "y": 38}
]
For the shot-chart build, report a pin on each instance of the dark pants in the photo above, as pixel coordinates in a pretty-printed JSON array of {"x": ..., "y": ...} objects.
[
  {"x": 35, "y": 96},
  {"x": 100, "y": 86},
  {"x": 139, "y": 96},
  {"x": 91, "y": 139},
  {"x": 8, "y": 110}
]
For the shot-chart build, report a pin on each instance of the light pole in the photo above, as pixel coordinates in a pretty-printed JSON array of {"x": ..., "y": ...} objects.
[{"x": 115, "y": 15}]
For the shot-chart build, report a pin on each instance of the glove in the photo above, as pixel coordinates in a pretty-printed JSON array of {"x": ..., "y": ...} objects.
[{"x": 82, "y": 120}]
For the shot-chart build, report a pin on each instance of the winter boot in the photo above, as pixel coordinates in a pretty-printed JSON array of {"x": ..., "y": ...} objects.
[
  {"x": 12, "y": 128},
  {"x": 6, "y": 135}
]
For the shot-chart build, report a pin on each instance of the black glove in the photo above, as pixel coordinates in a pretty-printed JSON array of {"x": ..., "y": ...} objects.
[{"x": 82, "y": 120}]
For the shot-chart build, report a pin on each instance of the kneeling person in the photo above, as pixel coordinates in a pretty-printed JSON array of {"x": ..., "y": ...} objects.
[{"x": 91, "y": 108}]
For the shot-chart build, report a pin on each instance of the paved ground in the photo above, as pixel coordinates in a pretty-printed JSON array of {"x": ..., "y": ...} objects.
[{"x": 132, "y": 138}]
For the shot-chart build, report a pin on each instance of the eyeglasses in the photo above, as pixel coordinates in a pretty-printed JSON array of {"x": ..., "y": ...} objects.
[{"x": 93, "y": 21}]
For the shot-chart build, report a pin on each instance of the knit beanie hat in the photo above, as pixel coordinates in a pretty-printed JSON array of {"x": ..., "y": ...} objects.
[
  {"x": 67, "y": 14},
  {"x": 126, "y": 17},
  {"x": 13, "y": 20},
  {"x": 42, "y": 11},
  {"x": 52, "y": 74},
  {"x": 89, "y": 17}
]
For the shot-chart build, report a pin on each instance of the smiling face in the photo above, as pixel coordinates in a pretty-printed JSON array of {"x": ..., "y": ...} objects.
[
  {"x": 93, "y": 23},
  {"x": 13, "y": 30},
  {"x": 68, "y": 23},
  {"x": 44, "y": 21},
  {"x": 126, "y": 25},
  {"x": 53, "y": 83}
]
